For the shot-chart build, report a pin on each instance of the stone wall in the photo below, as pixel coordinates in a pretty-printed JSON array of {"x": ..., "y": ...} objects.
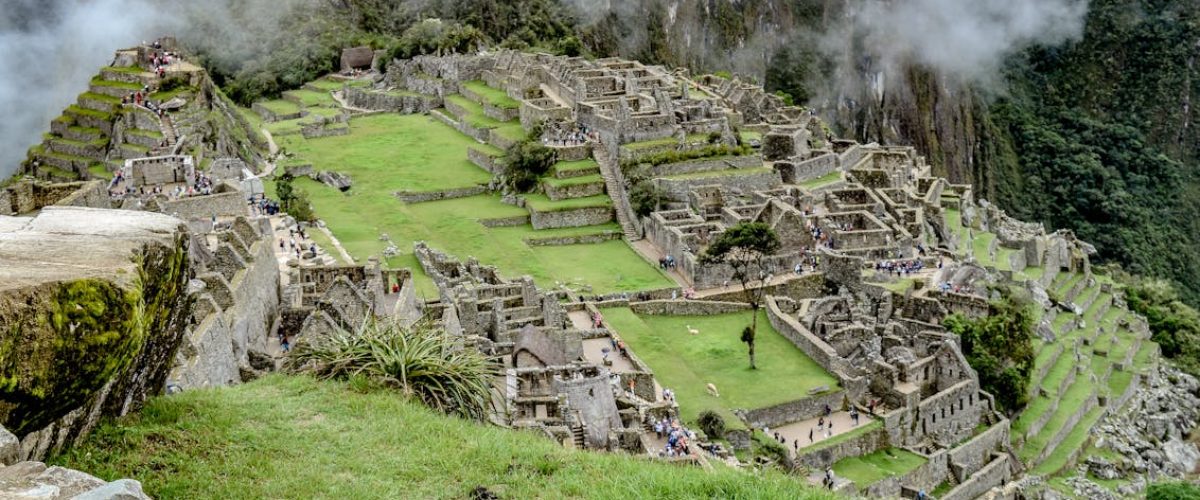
[
  {"x": 584, "y": 239},
  {"x": 794, "y": 411},
  {"x": 401, "y": 102},
  {"x": 569, "y": 191},
  {"x": 951, "y": 415},
  {"x": 703, "y": 165},
  {"x": 230, "y": 204},
  {"x": 925, "y": 477},
  {"x": 445, "y": 194},
  {"x": 217, "y": 348},
  {"x": 570, "y": 218},
  {"x": 814, "y": 347},
  {"x": 749, "y": 182},
  {"x": 687, "y": 307},
  {"x": 484, "y": 161},
  {"x": 972, "y": 455},
  {"x": 995, "y": 473},
  {"x": 825, "y": 456}
]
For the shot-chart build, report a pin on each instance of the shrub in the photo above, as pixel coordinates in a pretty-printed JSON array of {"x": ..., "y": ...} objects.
[
  {"x": 1173, "y": 491},
  {"x": 1174, "y": 325},
  {"x": 712, "y": 424},
  {"x": 421, "y": 361}
]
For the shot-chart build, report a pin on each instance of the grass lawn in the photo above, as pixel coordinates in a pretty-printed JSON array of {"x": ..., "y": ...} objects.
[
  {"x": 390, "y": 153},
  {"x": 281, "y": 107},
  {"x": 495, "y": 97},
  {"x": 295, "y": 437},
  {"x": 685, "y": 362},
  {"x": 541, "y": 203},
  {"x": 311, "y": 99},
  {"x": 823, "y": 180},
  {"x": 453, "y": 226},
  {"x": 885, "y": 463},
  {"x": 567, "y": 166},
  {"x": 387, "y": 153}
]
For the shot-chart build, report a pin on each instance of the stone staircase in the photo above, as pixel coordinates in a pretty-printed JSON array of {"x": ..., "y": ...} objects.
[{"x": 614, "y": 181}]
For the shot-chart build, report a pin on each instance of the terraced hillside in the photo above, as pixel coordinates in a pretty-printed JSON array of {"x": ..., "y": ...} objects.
[
  {"x": 1090, "y": 358},
  {"x": 425, "y": 177}
]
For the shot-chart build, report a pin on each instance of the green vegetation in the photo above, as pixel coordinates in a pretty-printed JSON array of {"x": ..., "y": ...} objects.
[
  {"x": 310, "y": 98},
  {"x": 885, "y": 463},
  {"x": 328, "y": 440},
  {"x": 525, "y": 162},
  {"x": 495, "y": 97},
  {"x": 541, "y": 203},
  {"x": 1173, "y": 491},
  {"x": 828, "y": 179},
  {"x": 281, "y": 107},
  {"x": 1175, "y": 326},
  {"x": 394, "y": 153},
  {"x": 685, "y": 363},
  {"x": 1000, "y": 348},
  {"x": 385, "y": 154},
  {"x": 422, "y": 362},
  {"x": 745, "y": 248}
]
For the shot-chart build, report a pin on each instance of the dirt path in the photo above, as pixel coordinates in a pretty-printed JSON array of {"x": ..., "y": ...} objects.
[{"x": 341, "y": 100}]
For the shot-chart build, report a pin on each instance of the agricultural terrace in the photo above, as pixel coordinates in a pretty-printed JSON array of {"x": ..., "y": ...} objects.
[{"x": 387, "y": 153}]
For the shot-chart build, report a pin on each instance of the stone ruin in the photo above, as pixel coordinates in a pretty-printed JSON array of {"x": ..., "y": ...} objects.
[{"x": 556, "y": 380}]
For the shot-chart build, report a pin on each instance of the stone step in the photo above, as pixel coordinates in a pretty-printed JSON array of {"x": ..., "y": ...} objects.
[{"x": 574, "y": 187}]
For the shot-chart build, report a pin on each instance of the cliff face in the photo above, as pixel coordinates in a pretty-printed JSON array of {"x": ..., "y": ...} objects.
[{"x": 93, "y": 304}]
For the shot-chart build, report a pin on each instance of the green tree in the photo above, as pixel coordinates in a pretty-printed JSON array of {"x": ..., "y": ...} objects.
[
  {"x": 999, "y": 347},
  {"x": 293, "y": 201},
  {"x": 746, "y": 249},
  {"x": 645, "y": 198},
  {"x": 525, "y": 162}
]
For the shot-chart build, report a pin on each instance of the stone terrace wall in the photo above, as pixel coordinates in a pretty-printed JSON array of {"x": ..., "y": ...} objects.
[
  {"x": 857, "y": 446},
  {"x": 993, "y": 474},
  {"x": 972, "y": 455},
  {"x": 794, "y": 411},
  {"x": 704, "y": 165},
  {"x": 687, "y": 307},
  {"x": 815, "y": 348},
  {"x": 214, "y": 352},
  {"x": 229, "y": 204},
  {"x": 747, "y": 183},
  {"x": 926, "y": 477},
  {"x": 570, "y": 218}
]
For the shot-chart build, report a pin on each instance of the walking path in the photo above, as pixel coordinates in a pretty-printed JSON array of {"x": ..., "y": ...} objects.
[
  {"x": 341, "y": 100},
  {"x": 842, "y": 423}
]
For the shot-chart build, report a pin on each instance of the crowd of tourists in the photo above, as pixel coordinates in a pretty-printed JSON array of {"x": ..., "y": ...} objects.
[{"x": 577, "y": 135}]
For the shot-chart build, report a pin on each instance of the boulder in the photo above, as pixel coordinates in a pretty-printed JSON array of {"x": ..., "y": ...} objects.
[
  {"x": 1183, "y": 454},
  {"x": 121, "y": 489}
]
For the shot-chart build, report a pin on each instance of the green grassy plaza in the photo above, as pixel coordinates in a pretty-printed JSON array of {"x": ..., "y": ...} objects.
[
  {"x": 387, "y": 153},
  {"x": 685, "y": 363},
  {"x": 325, "y": 440},
  {"x": 869, "y": 469}
]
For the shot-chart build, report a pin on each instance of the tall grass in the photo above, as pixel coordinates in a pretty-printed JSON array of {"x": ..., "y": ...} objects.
[{"x": 421, "y": 361}]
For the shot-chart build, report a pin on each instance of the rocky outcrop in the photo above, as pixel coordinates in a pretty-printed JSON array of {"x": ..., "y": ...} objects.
[
  {"x": 30, "y": 480},
  {"x": 96, "y": 304},
  {"x": 1151, "y": 433}
]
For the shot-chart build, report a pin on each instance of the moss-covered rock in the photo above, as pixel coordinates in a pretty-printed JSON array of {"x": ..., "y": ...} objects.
[{"x": 96, "y": 331}]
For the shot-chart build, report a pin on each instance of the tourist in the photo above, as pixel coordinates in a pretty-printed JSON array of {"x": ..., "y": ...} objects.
[
  {"x": 283, "y": 344},
  {"x": 810, "y": 435},
  {"x": 796, "y": 444}
]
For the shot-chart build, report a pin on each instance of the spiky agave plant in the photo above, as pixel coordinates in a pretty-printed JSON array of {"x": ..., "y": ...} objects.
[{"x": 421, "y": 361}]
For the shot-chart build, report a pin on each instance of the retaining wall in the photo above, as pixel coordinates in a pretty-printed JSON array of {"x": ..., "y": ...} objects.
[
  {"x": 688, "y": 307},
  {"x": 229, "y": 204},
  {"x": 570, "y": 218}
]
